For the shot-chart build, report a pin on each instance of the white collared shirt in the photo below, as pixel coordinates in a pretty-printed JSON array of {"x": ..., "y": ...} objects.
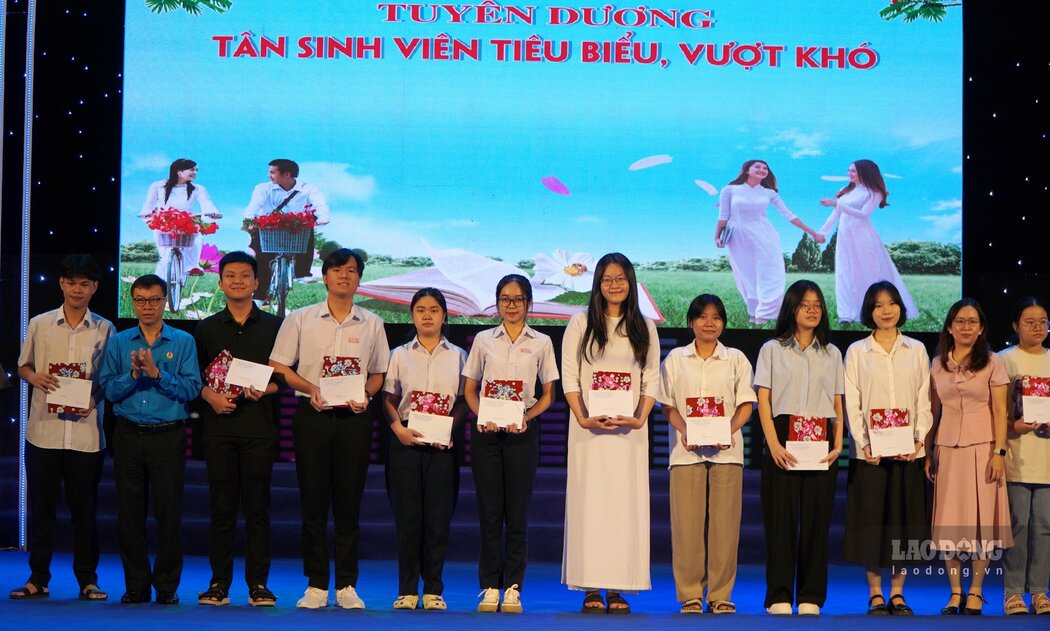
[
  {"x": 876, "y": 379},
  {"x": 49, "y": 340},
  {"x": 800, "y": 382},
  {"x": 268, "y": 196},
  {"x": 528, "y": 358},
  {"x": 310, "y": 333},
  {"x": 413, "y": 367},
  {"x": 727, "y": 374},
  {"x": 178, "y": 199}
]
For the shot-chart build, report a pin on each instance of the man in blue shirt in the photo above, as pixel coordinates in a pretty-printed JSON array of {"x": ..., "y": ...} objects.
[{"x": 150, "y": 373}]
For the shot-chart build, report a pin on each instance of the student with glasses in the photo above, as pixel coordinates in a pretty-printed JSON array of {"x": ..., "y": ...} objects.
[
  {"x": 971, "y": 516},
  {"x": 1027, "y": 464},
  {"x": 150, "y": 374},
  {"x": 611, "y": 348},
  {"x": 800, "y": 382},
  {"x": 506, "y": 362}
]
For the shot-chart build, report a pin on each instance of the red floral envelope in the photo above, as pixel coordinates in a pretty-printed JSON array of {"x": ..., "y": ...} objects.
[
  {"x": 1035, "y": 386},
  {"x": 704, "y": 407},
  {"x": 336, "y": 366},
  {"x": 806, "y": 429},
  {"x": 431, "y": 403},
  {"x": 504, "y": 389},
  {"x": 888, "y": 418},
  {"x": 608, "y": 380},
  {"x": 70, "y": 370},
  {"x": 215, "y": 374}
]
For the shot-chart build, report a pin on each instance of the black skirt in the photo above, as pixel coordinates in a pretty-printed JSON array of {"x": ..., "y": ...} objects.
[{"x": 886, "y": 519}]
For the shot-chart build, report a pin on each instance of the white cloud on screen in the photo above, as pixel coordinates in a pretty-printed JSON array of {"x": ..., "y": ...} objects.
[
  {"x": 337, "y": 183},
  {"x": 590, "y": 220},
  {"x": 391, "y": 237},
  {"x": 928, "y": 131},
  {"x": 947, "y": 228},
  {"x": 157, "y": 162},
  {"x": 800, "y": 145},
  {"x": 946, "y": 204}
]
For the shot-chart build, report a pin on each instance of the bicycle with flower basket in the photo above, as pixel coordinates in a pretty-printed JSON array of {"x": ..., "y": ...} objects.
[
  {"x": 177, "y": 229},
  {"x": 284, "y": 234}
]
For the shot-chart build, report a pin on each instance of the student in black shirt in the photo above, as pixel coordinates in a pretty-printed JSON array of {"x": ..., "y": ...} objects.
[{"x": 240, "y": 432}]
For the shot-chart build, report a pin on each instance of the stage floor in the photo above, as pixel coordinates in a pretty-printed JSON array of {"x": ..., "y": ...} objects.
[{"x": 547, "y": 603}]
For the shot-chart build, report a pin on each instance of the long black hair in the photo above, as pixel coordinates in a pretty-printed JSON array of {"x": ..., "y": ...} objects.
[
  {"x": 180, "y": 164},
  {"x": 978, "y": 358},
  {"x": 436, "y": 294},
  {"x": 770, "y": 181},
  {"x": 786, "y": 324},
  {"x": 631, "y": 324}
]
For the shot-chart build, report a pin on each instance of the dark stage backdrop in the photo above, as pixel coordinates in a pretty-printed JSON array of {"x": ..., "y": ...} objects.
[{"x": 75, "y": 186}]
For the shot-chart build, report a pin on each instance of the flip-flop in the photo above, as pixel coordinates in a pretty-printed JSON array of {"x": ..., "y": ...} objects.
[{"x": 92, "y": 592}]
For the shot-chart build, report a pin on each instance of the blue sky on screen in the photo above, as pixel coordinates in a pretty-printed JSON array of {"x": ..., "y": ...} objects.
[{"x": 455, "y": 151}]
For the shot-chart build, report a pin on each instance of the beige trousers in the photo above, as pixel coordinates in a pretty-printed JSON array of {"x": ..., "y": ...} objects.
[{"x": 705, "y": 529}]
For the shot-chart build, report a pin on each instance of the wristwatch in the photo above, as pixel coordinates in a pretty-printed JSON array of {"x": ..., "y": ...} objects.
[{"x": 1000, "y": 452}]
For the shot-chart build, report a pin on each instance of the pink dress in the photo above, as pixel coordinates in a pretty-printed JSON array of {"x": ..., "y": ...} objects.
[{"x": 968, "y": 512}]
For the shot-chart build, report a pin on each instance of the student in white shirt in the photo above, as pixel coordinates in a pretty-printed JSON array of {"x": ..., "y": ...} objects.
[
  {"x": 800, "y": 384},
  {"x": 504, "y": 460},
  {"x": 706, "y": 481},
  {"x": 611, "y": 347},
  {"x": 333, "y": 439},
  {"x": 284, "y": 193},
  {"x": 181, "y": 192},
  {"x": 422, "y": 478},
  {"x": 887, "y": 382},
  {"x": 64, "y": 449},
  {"x": 1027, "y": 563}
]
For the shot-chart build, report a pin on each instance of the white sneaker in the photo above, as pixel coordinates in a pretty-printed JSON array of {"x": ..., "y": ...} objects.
[
  {"x": 779, "y": 609},
  {"x": 511, "y": 600},
  {"x": 808, "y": 609},
  {"x": 313, "y": 598},
  {"x": 347, "y": 598},
  {"x": 489, "y": 600}
]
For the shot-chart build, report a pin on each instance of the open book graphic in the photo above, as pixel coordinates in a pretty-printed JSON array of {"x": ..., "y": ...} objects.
[{"x": 469, "y": 280}]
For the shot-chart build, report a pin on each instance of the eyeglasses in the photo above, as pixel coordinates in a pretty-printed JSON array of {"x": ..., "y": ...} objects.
[
  {"x": 966, "y": 323},
  {"x": 506, "y": 301},
  {"x": 614, "y": 282},
  {"x": 153, "y": 301},
  {"x": 810, "y": 306},
  {"x": 1040, "y": 325}
]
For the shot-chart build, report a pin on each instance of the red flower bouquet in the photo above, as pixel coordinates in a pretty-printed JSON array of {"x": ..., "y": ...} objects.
[
  {"x": 287, "y": 220},
  {"x": 178, "y": 222}
]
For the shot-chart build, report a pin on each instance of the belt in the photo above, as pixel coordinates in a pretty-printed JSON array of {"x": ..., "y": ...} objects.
[{"x": 150, "y": 428}]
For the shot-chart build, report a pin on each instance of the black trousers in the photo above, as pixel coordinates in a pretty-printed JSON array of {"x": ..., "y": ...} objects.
[
  {"x": 332, "y": 451},
  {"x": 48, "y": 471},
  {"x": 303, "y": 263},
  {"x": 423, "y": 483},
  {"x": 239, "y": 473},
  {"x": 796, "y": 513},
  {"x": 504, "y": 467},
  {"x": 149, "y": 467}
]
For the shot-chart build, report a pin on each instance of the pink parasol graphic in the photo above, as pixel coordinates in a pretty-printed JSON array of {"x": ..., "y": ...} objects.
[{"x": 554, "y": 185}]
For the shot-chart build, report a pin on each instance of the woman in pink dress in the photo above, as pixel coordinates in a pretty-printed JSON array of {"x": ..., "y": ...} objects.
[
  {"x": 754, "y": 244},
  {"x": 971, "y": 515},
  {"x": 860, "y": 257}
]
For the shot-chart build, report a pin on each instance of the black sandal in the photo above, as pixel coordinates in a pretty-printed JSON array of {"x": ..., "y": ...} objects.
[
  {"x": 973, "y": 611},
  {"x": 23, "y": 593},
  {"x": 259, "y": 596},
  {"x": 92, "y": 592},
  {"x": 877, "y": 609},
  {"x": 216, "y": 595},
  {"x": 591, "y": 599},
  {"x": 616, "y": 599},
  {"x": 950, "y": 609},
  {"x": 898, "y": 607}
]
